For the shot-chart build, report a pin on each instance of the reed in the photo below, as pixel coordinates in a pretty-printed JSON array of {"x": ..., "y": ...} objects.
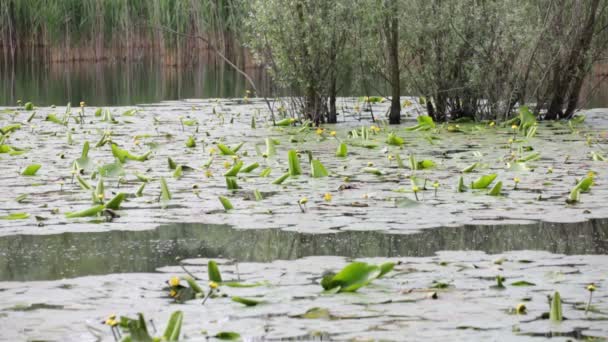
[{"x": 68, "y": 30}]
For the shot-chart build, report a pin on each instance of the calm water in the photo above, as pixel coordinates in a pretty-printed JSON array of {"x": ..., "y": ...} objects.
[
  {"x": 111, "y": 84},
  {"x": 40, "y": 257}
]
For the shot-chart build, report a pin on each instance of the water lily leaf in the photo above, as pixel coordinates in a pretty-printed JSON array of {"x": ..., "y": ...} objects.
[
  {"x": 294, "y": 163},
  {"x": 28, "y": 106},
  {"x": 9, "y": 128},
  {"x": 234, "y": 170},
  {"x": 575, "y": 196},
  {"x": 281, "y": 179},
  {"x": 266, "y": 172},
  {"x": 529, "y": 157},
  {"x": 178, "y": 173},
  {"x": 522, "y": 283},
  {"x": 470, "y": 168},
  {"x": 318, "y": 170},
  {"x": 461, "y": 187},
  {"x": 21, "y": 198},
  {"x": 231, "y": 183},
  {"x": 84, "y": 162},
  {"x": 372, "y": 170},
  {"x": 165, "y": 194},
  {"x": 213, "y": 272},
  {"x": 226, "y": 203},
  {"x": 92, "y": 211},
  {"x": 174, "y": 326},
  {"x": 190, "y": 143},
  {"x": 31, "y": 170},
  {"x": 413, "y": 163},
  {"x": 115, "y": 202},
  {"x": 246, "y": 301},
  {"x": 386, "y": 268},
  {"x": 140, "y": 190},
  {"x": 495, "y": 191},
  {"x": 225, "y": 150},
  {"x": 425, "y": 164},
  {"x": 228, "y": 335},
  {"x": 363, "y": 143},
  {"x": 237, "y": 147},
  {"x": 353, "y": 277},
  {"x": 483, "y": 181},
  {"x": 342, "y": 150},
  {"x": 316, "y": 313},
  {"x": 15, "y": 216},
  {"x": 595, "y": 156},
  {"x": 400, "y": 163},
  {"x": 250, "y": 167},
  {"x": 270, "y": 147},
  {"x": 285, "y": 122},
  {"x": 556, "y": 308},
  {"x": 585, "y": 184},
  {"x": 393, "y": 139},
  {"x": 112, "y": 170},
  {"x": 122, "y": 155},
  {"x": 237, "y": 284},
  {"x": 193, "y": 284}
]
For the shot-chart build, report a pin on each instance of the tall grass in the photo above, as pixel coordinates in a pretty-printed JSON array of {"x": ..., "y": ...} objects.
[{"x": 102, "y": 29}]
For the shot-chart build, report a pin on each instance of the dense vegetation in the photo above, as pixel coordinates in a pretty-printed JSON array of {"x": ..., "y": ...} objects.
[{"x": 468, "y": 59}]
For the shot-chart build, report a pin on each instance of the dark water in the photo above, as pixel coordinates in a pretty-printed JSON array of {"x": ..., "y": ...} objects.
[
  {"x": 112, "y": 84},
  {"x": 40, "y": 257}
]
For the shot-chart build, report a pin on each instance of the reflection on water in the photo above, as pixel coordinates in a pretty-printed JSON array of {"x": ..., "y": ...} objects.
[
  {"x": 112, "y": 84},
  {"x": 40, "y": 257}
]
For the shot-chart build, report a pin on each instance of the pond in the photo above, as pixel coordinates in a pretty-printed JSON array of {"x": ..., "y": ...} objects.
[{"x": 302, "y": 202}]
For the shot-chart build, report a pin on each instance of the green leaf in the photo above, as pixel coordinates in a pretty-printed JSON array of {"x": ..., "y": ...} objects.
[
  {"x": 193, "y": 285},
  {"x": 99, "y": 193},
  {"x": 122, "y": 155},
  {"x": 15, "y": 216},
  {"x": 585, "y": 184},
  {"x": 495, "y": 191},
  {"x": 228, "y": 335},
  {"x": 165, "y": 194},
  {"x": 112, "y": 170},
  {"x": 266, "y": 172},
  {"x": 575, "y": 196},
  {"x": 236, "y": 167},
  {"x": 342, "y": 150},
  {"x": 246, "y": 301},
  {"x": 178, "y": 173},
  {"x": 556, "y": 308},
  {"x": 226, "y": 203},
  {"x": 285, "y": 122},
  {"x": 400, "y": 163},
  {"x": 231, "y": 183},
  {"x": 31, "y": 170},
  {"x": 140, "y": 190},
  {"x": 386, "y": 268},
  {"x": 522, "y": 283},
  {"x": 461, "y": 187},
  {"x": 372, "y": 170},
  {"x": 115, "y": 202},
  {"x": 213, "y": 272},
  {"x": 9, "y": 128},
  {"x": 318, "y": 170},
  {"x": 250, "y": 167},
  {"x": 393, "y": 139},
  {"x": 294, "y": 163},
  {"x": 483, "y": 181},
  {"x": 225, "y": 150},
  {"x": 425, "y": 164},
  {"x": 470, "y": 168},
  {"x": 413, "y": 163},
  {"x": 354, "y": 276},
  {"x": 28, "y": 106},
  {"x": 270, "y": 148},
  {"x": 54, "y": 119},
  {"x": 171, "y": 163},
  {"x": 316, "y": 313},
  {"x": 190, "y": 143},
  {"x": 237, "y": 147},
  {"x": 92, "y": 211},
  {"x": 257, "y": 195},
  {"x": 174, "y": 326}
]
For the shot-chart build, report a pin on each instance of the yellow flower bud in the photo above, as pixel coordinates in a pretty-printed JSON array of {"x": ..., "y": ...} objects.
[
  {"x": 591, "y": 287},
  {"x": 174, "y": 281},
  {"x": 520, "y": 309}
]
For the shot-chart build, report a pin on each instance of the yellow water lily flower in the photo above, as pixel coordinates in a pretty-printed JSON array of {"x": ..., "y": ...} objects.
[
  {"x": 514, "y": 127},
  {"x": 172, "y": 293},
  {"x": 591, "y": 287},
  {"x": 227, "y": 164},
  {"x": 319, "y": 131},
  {"x": 492, "y": 123},
  {"x": 174, "y": 281},
  {"x": 327, "y": 197},
  {"x": 212, "y": 151},
  {"x": 415, "y": 189},
  {"x": 516, "y": 180},
  {"x": 82, "y": 104},
  {"x": 208, "y": 173},
  {"x": 332, "y": 133},
  {"x": 213, "y": 285},
  {"x": 591, "y": 174},
  {"x": 303, "y": 200},
  {"x": 520, "y": 309}
]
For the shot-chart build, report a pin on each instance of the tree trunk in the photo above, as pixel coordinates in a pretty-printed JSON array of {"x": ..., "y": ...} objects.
[{"x": 392, "y": 36}]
